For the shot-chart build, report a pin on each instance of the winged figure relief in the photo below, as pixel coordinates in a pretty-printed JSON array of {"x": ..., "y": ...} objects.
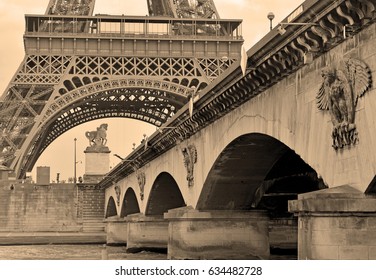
[
  {"x": 339, "y": 93},
  {"x": 190, "y": 159}
]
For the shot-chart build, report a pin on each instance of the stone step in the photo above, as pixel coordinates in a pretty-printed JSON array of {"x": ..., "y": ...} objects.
[{"x": 93, "y": 225}]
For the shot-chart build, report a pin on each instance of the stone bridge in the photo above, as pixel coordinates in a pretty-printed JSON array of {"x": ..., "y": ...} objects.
[{"x": 281, "y": 155}]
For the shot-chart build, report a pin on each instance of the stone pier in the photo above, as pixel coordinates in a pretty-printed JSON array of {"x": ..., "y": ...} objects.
[
  {"x": 116, "y": 231},
  {"x": 146, "y": 233},
  {"x": 336, "y": 224},
  {"x": 217, "y": 234}
]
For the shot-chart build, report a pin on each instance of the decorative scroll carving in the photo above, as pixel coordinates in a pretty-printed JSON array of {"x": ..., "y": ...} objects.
[
  {"x": 339, "y": 93},
  {"x": 190, "y": 158},
  {"x": 141, "y": 179},
  {"x": 118, "y": 193}
]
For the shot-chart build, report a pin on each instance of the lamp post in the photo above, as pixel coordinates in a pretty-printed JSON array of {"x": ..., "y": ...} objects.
[
  {"x": 271, "y": 17},
  {"x": 75, "y": 164},
  {"x": 75, "y": 177}
]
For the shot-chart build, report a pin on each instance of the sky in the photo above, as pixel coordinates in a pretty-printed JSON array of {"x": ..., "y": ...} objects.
[{"x": 121, "y": 133}]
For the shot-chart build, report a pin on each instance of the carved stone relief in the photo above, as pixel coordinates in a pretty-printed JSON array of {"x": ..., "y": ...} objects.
[
  {"x": 118, "y": 193},
  {"x": 339, "y": 93},
  {"x": 141, "y": 179},
  {"x": 190, "y": 158}
]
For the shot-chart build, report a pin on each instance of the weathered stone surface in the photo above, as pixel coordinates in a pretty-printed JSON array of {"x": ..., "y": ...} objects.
[
  {"x": 335, "y": 224},
  {"x": 353, "y": 253},
  {"x": 146, "y": 232},
  {"x": 116, "y": 231},
  {"x": 97, "y": 163},
  {"x": 218, "y": 235},
  {"x": 29, "y": 207},
  {"x": 323, "y": 252}
]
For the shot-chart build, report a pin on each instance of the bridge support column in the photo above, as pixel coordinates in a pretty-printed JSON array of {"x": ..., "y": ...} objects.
[
  {"x": 337, "y": 223},
  {"x": 116, "y": 231},
  {"x": 217, "y": 234},
  {"x": 146, "y": 233}
]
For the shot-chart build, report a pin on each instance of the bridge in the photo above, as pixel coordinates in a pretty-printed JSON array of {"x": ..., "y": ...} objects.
[{"x": 274, "y": 151}]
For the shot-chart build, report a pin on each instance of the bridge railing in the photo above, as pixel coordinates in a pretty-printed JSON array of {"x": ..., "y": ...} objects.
[{"x": 121, "y": 26}]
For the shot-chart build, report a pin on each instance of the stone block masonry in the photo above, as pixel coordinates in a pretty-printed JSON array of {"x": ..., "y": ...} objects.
[
  {"x": 30, "y": 207},
  {"x": 337, "y": 224},
  {"x": 50, "y": 208}
]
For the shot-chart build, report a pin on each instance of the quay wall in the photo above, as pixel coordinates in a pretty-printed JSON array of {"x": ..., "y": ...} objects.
[{"x": 30, "y": 207}]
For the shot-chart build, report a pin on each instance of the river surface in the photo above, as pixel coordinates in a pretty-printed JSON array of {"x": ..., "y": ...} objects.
[
  {"x": 86, "y": 252},
  {"x": 73, "y": 252}
]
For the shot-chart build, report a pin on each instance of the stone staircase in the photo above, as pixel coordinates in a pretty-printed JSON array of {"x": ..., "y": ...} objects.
[
  {"x": 93, "y": 225},
  {"x": 93, "y": 210}
]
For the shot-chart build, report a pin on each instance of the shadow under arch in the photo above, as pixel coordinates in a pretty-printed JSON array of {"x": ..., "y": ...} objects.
[
  {"x": 111, "y": 208},
  {"x": 256, "y": 171},
  {"x": 130, "y": 204},
  {"x": 164, "y": 195}
]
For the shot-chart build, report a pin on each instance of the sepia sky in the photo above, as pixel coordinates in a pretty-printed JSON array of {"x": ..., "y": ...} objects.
[{"x": 121, "y": 132}]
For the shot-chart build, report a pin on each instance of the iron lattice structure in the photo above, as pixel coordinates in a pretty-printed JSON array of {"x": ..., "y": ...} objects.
[{"x": 79, "y": 67}]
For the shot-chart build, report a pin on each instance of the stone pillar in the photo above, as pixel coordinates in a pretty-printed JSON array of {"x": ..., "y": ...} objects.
[
  {"x": 146, "y": 233},
  {"x": 116, "y": 231},
  {"x": 336, "y": 223},
  {"x": 197, "y": 234},
  {"x": 97, "y": 164},
  {"x": 97, "y": 155}
]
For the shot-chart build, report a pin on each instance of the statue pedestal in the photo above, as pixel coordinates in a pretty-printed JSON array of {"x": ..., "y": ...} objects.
[{"x": 97, "y": 161}]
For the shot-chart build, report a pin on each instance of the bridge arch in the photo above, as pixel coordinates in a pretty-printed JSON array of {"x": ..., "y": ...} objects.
[
  {"x": 256, "y": 170},
  {"x": 130, "y": 204},
  {"x": 111, "y": 208},
  {"x": 164, "y": 195}
]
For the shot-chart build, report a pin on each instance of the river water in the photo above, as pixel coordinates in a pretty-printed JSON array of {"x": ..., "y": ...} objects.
[
  {"x": 73, "y": 252},
  {"x": 86, "y": 252}
]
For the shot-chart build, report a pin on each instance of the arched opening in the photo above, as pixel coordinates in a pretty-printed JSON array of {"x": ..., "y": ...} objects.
[
  {"x": 86, "y": 80},
  {"x": 130, "y": 204},
  {"x": 288, "y": 177},
  {"x": 111, "y": 208},
  {"x": 165, "y": 195},
  {"x": 250, "y": 167},
  {"x": 258, "y": 172},
  {"x": 69, "y": 86},
  {"x": 77, "y": 82}
]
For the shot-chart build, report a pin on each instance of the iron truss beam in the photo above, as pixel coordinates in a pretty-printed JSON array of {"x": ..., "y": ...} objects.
[{"x": 183, "y": 8}]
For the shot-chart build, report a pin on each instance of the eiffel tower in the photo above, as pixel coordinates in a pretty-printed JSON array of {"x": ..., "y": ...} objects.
[{"x": 80, "y": 67}]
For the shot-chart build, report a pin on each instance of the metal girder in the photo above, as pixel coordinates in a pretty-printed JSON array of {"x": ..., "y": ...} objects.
[{"x": 183, "y": 8}]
